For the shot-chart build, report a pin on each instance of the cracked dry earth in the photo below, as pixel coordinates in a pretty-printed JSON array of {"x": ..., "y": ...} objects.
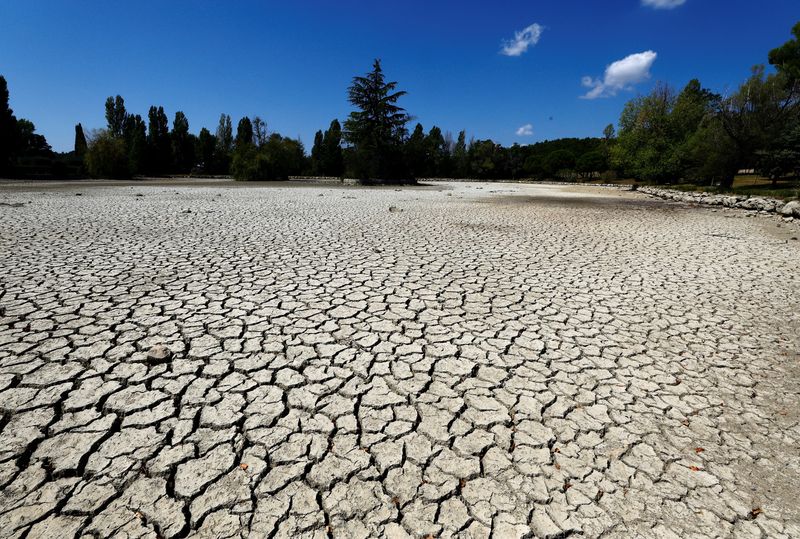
[{"x": 481, "y": 361}]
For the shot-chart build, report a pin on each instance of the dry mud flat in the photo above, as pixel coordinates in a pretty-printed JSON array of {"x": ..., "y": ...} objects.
[{"x": 482, "y": 360}]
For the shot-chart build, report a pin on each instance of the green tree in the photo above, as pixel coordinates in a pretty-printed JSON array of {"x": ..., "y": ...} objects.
[
  {"x": 782, "y": 158},
  {"x": 182, "y": 144},
  {"x": 158, "y": 141},
  {"x": 224, "y": 149},
  {"x": 80, "y": 141},
  {"x": 755, "y": 116},
  {"x": 460, "y": 161},
  {"x": 331, "y": 156},
  {"x": 206, "y": 144},
  {"x": 259, "y": 131},
  {"x": 277, "y": 159},
  {"x": 415, "y": 154},
  {"x": 559, "y": 163},
  {"x": 107, "y": 156},
  {"x": 436, "y": 152},
  {"x": 316, "y": 154},
  {"x": 485, "y": 160},
  {"x": 29, "y": 142},
  {"x": 590, "y": 163},
  {"x": 116, "y": 115},
  {"x": 645, "y": 143},
  {"x": 244, "y": 133},
  {"x": 8, "y": 129},
  {"x": 786, "y": 58},
  {"x": 377, "y": 129},
  {"x": 136, "y": 144},
  {"x": 609, "y": 133}
]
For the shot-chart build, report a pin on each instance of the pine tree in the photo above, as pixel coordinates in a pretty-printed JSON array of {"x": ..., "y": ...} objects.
[{"x": 377, "y": 129}]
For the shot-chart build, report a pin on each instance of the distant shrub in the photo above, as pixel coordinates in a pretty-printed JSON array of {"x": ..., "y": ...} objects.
[{"x": 107, "y": 156}]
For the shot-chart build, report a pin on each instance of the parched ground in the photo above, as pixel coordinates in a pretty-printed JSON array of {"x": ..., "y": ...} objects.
[{"x": 458, "y": 360}]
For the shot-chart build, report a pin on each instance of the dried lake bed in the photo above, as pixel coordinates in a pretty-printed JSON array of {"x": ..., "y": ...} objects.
[{"x": 218, "y": 359}]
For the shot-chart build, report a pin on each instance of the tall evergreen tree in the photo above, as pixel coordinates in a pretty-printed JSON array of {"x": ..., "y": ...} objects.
[
  {"x": 786, "y": 58},
  {"x": 80, "y": 141},
  {"x": 377, "y": 129}
]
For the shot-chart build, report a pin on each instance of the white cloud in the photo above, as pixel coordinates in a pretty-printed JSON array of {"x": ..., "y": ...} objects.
[
  {"x": 525, "y": 131},
  {"x": 663, "y": 4},
  {"x": 522, "y": 40},
  {"x": 621, "y": 75}
]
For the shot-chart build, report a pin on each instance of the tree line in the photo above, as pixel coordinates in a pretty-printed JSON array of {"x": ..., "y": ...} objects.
[
  {"x": 666, "y": 136},
  {"x": 699, "y": 136}
]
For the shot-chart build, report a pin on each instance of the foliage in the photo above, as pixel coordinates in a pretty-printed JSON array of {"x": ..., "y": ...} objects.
[
  {"x": 183, "y": 144},
  {"x": 107, "y": 156},
  {"x": 331, "y": 158},
  {"x": 159, "y": 145},
  {"x": 376, "y": 130},
  {"x": 262, "y": 157},
  {"x": 224, "y": 139},
  {"x": 116, "y": 116},
  {"x": 205, "y": 150},
  {"x": 136, "y": 143},
  {"x": 8, "y": 129},
  {"x": 591, "y": 163},
  {"x": 786, "y": 58},
  {"x": 80, "y": 141},
  {"x": 244, "y": 134}
]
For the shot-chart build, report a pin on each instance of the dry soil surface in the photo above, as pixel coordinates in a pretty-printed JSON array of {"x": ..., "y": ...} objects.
[{"x": 457, "y": 360}]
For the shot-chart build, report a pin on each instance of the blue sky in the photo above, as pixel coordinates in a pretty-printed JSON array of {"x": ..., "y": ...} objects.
[{"x": 291, "y": 62}]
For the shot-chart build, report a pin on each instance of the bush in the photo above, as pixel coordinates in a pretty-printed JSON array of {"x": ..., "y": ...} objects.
[{"x": 107, "y": 157}]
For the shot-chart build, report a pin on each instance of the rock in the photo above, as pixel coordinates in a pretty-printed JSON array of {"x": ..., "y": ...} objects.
[
  {"x": 159, "y": 354},
  {"x": 791, "y": 209}
]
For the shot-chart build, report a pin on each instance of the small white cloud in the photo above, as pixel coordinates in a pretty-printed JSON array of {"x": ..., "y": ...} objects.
[
  {"x": 663, "y": 4},
  {"x": 522, "y": 40},
  {"x": 621, "y": 75},
  {"x": 525, "y": 131}
]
